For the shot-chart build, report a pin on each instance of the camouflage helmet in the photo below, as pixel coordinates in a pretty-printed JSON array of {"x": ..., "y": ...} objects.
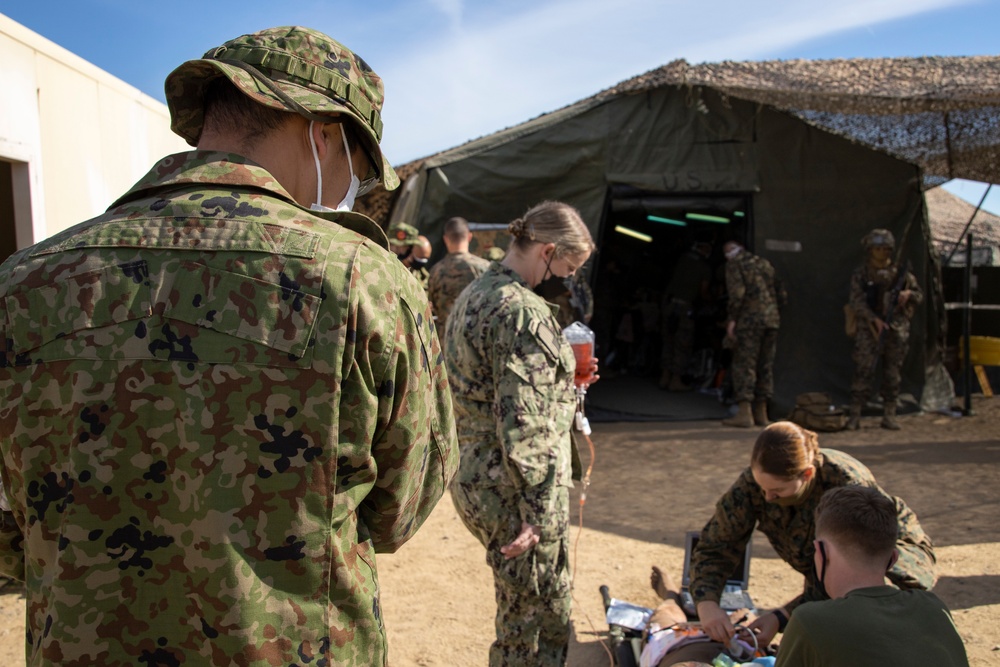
[
  {"x": 401, "y": 233},
  {"x": 289, "y": 68},
  {"x": 878, "y": 238}
]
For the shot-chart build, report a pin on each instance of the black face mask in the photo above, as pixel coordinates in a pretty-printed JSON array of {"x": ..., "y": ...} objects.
[
  {"x": 551, "y": 287},
  {"x": 419, "y": 261},
  {"x": 404, "y": 255}
]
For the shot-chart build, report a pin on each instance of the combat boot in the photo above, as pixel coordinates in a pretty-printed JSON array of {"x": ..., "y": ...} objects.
[
  {"x": 889, "y": 417},
  {"x": 854, "y": 417},
  {"x": 742, "y": 418},
  {"x": 760, "y": 413}
]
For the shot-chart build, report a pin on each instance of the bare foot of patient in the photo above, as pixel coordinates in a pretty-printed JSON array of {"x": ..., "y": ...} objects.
[
  {"x": 669, "y": 612},
  {"x": 663, "y": 584}
]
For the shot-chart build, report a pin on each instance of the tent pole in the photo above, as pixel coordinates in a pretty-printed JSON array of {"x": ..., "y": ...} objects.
[
  {"x": 967, "y": 328},
  {"x": 958, "y": 241}
]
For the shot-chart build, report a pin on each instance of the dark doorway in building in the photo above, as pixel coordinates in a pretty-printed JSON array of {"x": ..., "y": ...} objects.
[
  {"x": 660, "y": 276},
  {"x": 8, "y": 211}
]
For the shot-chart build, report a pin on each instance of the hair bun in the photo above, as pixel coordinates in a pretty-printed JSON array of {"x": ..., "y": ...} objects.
[{"x": 516, "y": 227}]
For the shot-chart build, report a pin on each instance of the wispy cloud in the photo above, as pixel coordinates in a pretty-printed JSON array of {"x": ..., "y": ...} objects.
[
  {"x": 452, "y": 9},
  {"x": 489, "y": 68}
]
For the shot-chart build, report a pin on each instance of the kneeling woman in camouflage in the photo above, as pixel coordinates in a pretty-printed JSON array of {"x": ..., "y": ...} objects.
[
  {"x": 511, "y": 374},
  {"x": 778, "y": 493}
]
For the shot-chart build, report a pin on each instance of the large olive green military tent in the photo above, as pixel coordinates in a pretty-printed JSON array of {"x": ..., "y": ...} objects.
[{"x": 798, "y": 159}]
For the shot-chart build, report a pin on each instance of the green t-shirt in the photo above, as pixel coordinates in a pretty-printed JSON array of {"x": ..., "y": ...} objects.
[{"x": 873, "y": 627}]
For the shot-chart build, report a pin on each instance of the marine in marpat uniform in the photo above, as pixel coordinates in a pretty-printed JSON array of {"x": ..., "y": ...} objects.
[
  {"x": 884, "y": 298},
  {"x": 511, "y": 371},
  {"x": 412, "y": 249},
  {"x": 778, "y": 494},
  {"x": 454, "y": 271},
  {"x": 755, "y": 299},
  {"x": 220, "y": 398}
]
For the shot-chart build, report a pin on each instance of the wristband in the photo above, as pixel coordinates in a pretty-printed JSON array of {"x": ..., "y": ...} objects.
[{"x": 782, "y": 619}]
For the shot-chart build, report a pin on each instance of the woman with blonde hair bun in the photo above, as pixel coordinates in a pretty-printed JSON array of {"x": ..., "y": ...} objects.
[
  {"x": 778, "y": 494},
  {"x": 511, "y": 373}
]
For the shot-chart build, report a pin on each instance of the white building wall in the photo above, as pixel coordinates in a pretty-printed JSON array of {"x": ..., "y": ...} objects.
[{"x": 78, "y": 137}]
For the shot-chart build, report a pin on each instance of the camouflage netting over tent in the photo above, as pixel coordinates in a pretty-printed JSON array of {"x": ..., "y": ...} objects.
[{"x": 940, "y": 113}]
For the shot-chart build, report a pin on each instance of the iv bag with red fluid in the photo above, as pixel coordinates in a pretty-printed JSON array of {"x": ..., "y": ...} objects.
[{"x": 581, "y": 339}]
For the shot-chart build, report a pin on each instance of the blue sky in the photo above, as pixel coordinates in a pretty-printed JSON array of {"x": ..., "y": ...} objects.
[{"x": 455, "y": 70}]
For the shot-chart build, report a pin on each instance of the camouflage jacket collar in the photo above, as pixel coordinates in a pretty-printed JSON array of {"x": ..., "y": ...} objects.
[
  {"x": 205, "y": 167},
  {"x": 513, "y": 276},
  {"x": 231, "y": 170},
  {"x": 501, "y": 270},
  {"x": 820, "y": 461}
]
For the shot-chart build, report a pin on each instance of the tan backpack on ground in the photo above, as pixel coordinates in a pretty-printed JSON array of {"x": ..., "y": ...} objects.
[{"x": 815, "y": 411}]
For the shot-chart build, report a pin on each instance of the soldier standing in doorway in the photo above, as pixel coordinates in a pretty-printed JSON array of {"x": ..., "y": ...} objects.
[
  {"x": 884, "y": 298},
  {"x": 755, "y": 296}
]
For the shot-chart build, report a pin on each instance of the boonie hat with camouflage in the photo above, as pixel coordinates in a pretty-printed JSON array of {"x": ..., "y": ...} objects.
[
  {"x": 401, "y": 233},
  {"x": 291, "y": 68}
]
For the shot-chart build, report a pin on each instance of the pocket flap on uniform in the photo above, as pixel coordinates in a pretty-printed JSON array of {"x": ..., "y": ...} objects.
[
  {"x": 278, "y": 316},
  {"x": 88, "y": 300}
]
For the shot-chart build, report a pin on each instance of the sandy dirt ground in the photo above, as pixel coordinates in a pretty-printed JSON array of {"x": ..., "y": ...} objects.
[{"x": 652, "y": 482}]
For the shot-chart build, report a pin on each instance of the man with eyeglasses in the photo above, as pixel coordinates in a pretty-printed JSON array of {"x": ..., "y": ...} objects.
[
  {"x": 867, "y": 623},
  {"x": 223, "y": 396}
]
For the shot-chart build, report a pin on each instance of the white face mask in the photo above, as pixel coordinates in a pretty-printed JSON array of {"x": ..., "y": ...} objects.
[
  {"x": 734, "y": 252},
  {"x": 347, "y": 203}
]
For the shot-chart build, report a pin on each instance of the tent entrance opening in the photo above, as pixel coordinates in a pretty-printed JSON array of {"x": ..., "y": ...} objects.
[{"x": 660, "y": 301}]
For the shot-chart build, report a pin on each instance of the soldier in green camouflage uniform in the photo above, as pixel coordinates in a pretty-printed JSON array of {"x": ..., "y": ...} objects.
[
  {"x": 455, "y": 271},
  {"x": 755, "y": 297},
  {"x": 783, "y": 509},
  {"x": 872, "y": 285},
  {"x": 216, "y": 406},
  {"x": 511, "y": 371},
  {"x": 410, "y": 247}
]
